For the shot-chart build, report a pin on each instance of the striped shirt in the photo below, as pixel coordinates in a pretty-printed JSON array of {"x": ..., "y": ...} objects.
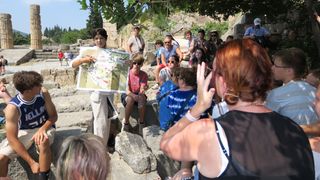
[
  {"x": 294, "y": 100},
  {"x": 177, "y": 99}
]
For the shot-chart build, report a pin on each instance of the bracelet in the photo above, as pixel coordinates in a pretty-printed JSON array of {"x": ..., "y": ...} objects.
[{"x": 190, "y": 117}]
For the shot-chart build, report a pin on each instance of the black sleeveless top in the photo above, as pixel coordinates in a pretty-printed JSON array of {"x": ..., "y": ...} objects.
[{"x": 265, "y": 146}]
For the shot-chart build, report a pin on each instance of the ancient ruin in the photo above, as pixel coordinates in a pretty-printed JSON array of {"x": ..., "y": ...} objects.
[
  {"x": 6, "y": 37},
  {"x": 35, "y": 27}
]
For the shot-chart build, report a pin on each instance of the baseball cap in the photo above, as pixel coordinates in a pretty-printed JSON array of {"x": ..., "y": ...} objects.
[{"x": 257, "y": 21}]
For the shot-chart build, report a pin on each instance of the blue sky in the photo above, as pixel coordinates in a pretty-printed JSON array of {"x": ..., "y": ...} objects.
[{"x": 65, "y": 13}]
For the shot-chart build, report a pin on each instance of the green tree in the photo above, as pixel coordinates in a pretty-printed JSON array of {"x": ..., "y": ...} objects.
[
  {"x": 123, "y": 14},
  {"x": 46, "y": 32},
  {"x": 19, "y": 39},
  {"x": 70, "y": 37},
  {"x": 95, "y": 17},
  {"x": 116, "y": 11}
]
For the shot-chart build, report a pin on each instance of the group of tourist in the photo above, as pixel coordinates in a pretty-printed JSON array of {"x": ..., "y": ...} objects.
[
  {"x": 260, "y": 130},
  {"x": 66, "y": 56},
  {"x": 263, "y": 125}
]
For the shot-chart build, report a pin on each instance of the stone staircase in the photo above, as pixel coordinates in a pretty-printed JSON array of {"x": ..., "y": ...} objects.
[{"x": 53, "y": 54}]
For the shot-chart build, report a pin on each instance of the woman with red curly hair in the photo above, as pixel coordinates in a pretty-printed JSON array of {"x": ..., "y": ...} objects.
[{"x": 250, "y": 141}]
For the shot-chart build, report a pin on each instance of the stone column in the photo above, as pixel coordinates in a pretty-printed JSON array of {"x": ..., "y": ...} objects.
[
  {"x": 35, "y": 27},
  {"x": 6, "y": 34}
]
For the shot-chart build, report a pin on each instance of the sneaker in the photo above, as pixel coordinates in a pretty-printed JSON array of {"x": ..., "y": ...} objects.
[
  {"x": 141, "y": 126},
  {"x": 125, "y": 127}
]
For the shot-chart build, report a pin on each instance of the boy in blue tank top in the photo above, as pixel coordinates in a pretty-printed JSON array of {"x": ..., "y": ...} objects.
[{"x": 30, "y": 118}]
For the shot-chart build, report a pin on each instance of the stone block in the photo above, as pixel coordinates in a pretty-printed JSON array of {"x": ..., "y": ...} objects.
[
  {"x": 151, "y": 116},
  {"x": 165, "y": 166},
  {"x": 149, "y": 58},
  {"x": 135, "y": 152},
  {"x": 81, "y": 118},
  {"x": 72, "y": 103},
  {"x": 121, "y": 170}
]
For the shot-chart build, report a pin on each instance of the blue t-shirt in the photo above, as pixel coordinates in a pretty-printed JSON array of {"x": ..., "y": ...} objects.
[
  {"x": 177, "y": 99},
  {"x": 294, "y": 100},
  {"x": 162, "y": 97},
  {"x": 252, "y": 31},
  {"x": 168, "y": 52}
]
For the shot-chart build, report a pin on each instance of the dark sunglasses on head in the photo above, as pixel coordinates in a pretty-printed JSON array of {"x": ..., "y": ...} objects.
[{"x": 135, "y": 63}]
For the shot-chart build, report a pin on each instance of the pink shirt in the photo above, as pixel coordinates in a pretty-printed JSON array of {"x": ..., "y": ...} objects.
[{"x": 135, "y": 81}]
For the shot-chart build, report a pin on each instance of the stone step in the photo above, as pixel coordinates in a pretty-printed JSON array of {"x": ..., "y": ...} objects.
[
  {"x": 79, "y": 119},
  {"x": 74, "y": 103},
  {"x": 151, "y": 116},
  {"x": 121, "y": 170}
]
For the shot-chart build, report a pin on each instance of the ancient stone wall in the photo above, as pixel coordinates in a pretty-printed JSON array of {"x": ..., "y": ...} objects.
[
  {"x": 6, "y": 34},
  {"x": 113, "y": 36}
]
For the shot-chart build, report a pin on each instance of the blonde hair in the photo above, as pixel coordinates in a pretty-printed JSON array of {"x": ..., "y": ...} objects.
[{"x": 83, "y": 157}]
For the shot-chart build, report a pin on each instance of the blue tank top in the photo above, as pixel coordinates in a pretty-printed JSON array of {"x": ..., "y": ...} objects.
[{"x": 33, "y": 114}]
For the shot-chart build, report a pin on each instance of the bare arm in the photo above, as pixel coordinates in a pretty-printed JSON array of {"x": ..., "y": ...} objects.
[
  {"x": 163, "y": 59},
  {"x": 191, "y": 48},
  {"x": 196, "y": 141},
  {"x": 315, "y": 144},
  {"x": 87, "y": 59},
  {"x": 130, "y": 43},
  {"x": 178, "y": 51},
  {"x": 312, "y": 129},
  {"x": 41, "y": 135},
  {"x": 12, "y": 116}
]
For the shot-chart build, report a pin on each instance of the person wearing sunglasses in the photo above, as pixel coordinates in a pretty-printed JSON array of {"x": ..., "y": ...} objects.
[
  {"x": 248, "y": 142},
  {"x": 137, "y": 85},
  {"x": 295, "y": 97},
  {"x": 214, "y": 43},
  {"x": 165, "y": 53}
]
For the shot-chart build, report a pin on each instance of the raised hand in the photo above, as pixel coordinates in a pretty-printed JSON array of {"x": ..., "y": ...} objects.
[{"x": 204, "y": 96}]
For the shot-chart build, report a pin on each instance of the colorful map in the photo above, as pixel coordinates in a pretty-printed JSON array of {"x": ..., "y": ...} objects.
[{"x": 108, "y": 74}]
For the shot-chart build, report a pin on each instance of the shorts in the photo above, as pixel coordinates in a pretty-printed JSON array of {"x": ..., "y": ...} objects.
[
  {"x": 24, "y": 136},
  {"x": 140, "y": 100}
]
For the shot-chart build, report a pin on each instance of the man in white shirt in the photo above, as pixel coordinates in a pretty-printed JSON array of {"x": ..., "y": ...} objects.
[{"x": 136, "y": 42}]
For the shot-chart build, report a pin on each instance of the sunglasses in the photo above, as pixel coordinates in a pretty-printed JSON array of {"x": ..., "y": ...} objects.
[
  {"x": 171, "y": 62},
  {"x": 135, "y": 63},
  {"x": 167, "y": 42}
]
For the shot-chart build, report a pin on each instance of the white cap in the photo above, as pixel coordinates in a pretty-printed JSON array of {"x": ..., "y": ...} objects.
[{"x": 257, "y": 21}]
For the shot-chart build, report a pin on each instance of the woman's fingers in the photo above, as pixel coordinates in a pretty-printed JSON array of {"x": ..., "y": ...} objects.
[
  {"x": 198, "y": 73},
  {"x": 207, "y": 80}
]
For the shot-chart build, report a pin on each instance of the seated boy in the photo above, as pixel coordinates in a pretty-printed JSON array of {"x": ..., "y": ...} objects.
[{"x": 30, "y": 117}]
